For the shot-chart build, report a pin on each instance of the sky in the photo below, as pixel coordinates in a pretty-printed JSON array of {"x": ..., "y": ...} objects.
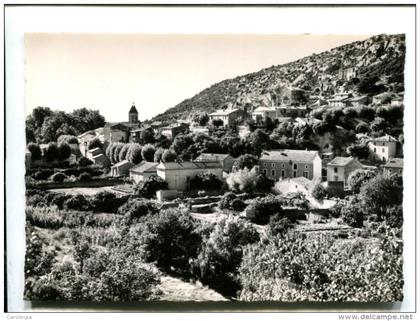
[{"x": 109, "y": 72}]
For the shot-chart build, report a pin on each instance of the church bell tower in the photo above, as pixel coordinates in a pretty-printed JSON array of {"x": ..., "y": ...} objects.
[{"x": 133, "y": 115}]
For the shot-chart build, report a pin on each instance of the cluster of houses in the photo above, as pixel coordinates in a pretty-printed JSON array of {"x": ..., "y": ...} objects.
[{"x": 279, "y": 165}]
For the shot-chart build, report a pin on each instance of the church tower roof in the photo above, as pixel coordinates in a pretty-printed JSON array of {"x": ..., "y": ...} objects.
[{"x": 133, "y": 109}]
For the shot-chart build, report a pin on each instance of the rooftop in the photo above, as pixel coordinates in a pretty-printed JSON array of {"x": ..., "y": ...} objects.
[
  {"x": 223, "y": 112},
  {"x": 289, "y": 155},
  {"x": 133, "y": 110},
  {"x": 340, "y": 161},
  {"x": 188, "y": 165},
  {"x": 144, "y": 167},
  {"x": 386, "y": 138},
  {"x": 395, "y": 163},
  {"x": 208, "y": 157}
]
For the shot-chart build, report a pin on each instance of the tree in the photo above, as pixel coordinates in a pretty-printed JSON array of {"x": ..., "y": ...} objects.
[
  {"x": 161, "y": 141},
  {"x": 169, "y": 156},
  {"x": 69, "y": 139},
  {"x": 147, "y": 136},
  {"x": 150, "y": 186},
  {"x": 319, "y": 192},
  {"x": 181, "y": 143},
  {"x": 58, "y": 177},
  {"x": 148, "y": 152},
  {"x": 157, "y": 157},
  {"x": 64, "y": 151},
  {"x": 263, "y": 183},
  {"x": 116, "y": 152},
  {"x": 35, "y": 150},
  {"x": 261, "y": 209},
  {"x": 358, "y": 178},
  {"x": 134, "y": 209},
  {"x": 258, "y": 140},
  {"x": 352, "y": 212},
  {"x": 171, "y": 240},
  {"x": 51, "y": 152},
  {"x": 85, "y": 119},
  {"x": 95, "y": 143},
  {"x": 279, "y": 225},
  {"x": 242, "y": 180},
  {"x": 206, "y": 181},
  {"x": 134, "y": 153},
  {"x": 123, "y": 153},
  {"x": 380, "y": 193},
  {"x": 246, "y": 161}
]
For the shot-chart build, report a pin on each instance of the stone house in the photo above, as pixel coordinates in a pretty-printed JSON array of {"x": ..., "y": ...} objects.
[
  {"x": 290, "y": 163},
  {"x": 394, "y": 166},
  {"x": 179, "y": 174},
  {"x": 339, "y": 169},
  {"x": 227, "y": 116},
  {"x": 101, "y": 160},
  {"x": 172, "y": 130},
  {"x": 121, "y": 169},
  {"x": 383, "y": 148},
  {"x": 143, "y": 171},
  {"x": 225, "y": 160}
]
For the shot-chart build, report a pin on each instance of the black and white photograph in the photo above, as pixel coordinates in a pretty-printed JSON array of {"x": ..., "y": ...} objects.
[{"x": 194, "y": 167}]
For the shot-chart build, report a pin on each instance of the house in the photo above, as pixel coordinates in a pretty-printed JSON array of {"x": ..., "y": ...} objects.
[
  {"x": 84, "y": 140},
  {"x": 292, "y": 111},
  {"x": 179, "y": 174},
  {"x": 135, "y": 134},
  {"x": 287, "y": 95},
  {"x": 383, "y": 148},
  {"x": 227, "y": 116},
  {"x": 199, "y": 130},
  {"x": 290, "y": 163},
  {"x": 262, "y": 112},
  {"x": 381, "y": 99},
  {"x": 172, "y": 130},
  {"x": 28, "y": 159},
  {"x": 339, "y": 169},
  {"x": 347, "y": 73},
  {"x": 116, "y": 132},
  {"x": 121, "y": 169},
  {"x": 101, "y": 160},
  {"x": 143, "y": 171},
  {"x": 394, "y": 166},
  {"x": 225, "y": 160},
  {"x": 397, "y": 101}
]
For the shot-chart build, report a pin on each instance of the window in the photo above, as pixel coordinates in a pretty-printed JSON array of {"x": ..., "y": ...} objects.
[
  {"x": 374, "y": 150},
  {"x": 383, "y": 150},
  {"x": 294, "y": 166},
  {"x": 282, "y": 165},
  {"x": 265, "y": 165},
  {"x": 294, "y": 173},
  {"x": 273, "y": 172},
  {"x": 306, "y": 166},
  {"x": 283, "y": 173},
  {"x": 335, "y": 169},
  {"x": 306, "y": 174},
  {"x": 265, "y": 172},
  {"x": 273, "y": 164}
]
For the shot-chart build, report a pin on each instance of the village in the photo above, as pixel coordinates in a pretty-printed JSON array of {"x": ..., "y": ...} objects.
[{"x": 203, "y": 204}]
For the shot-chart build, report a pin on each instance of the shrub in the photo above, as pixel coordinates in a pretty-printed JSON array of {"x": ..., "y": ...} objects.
[
  {"x": 242, "y": 180},
  {"x": 58, "y": 177},
  {"x": 43, "y": 174},
  {"x": 263, "y": 183},
  {"x": 107, "y": 202},
  {"x": 394, "y": 216},
  {"x": 134, "y": 153},
  {"x": 77, "y": 202},
  {"x": 358, "y": 178},
  {"x": 95, "y": 143},
  {"x": 83, "y": 161},
  {"x": 123, "y": 153},
  {"x": 64, "y": 151},
  {"x": 137, "y": 208},
  {"x": 279, "y": 225},
  {"x": 37, "y": 261},
  {"x": 246, "y": 161},
  {"x": 169, "y": 156},
  {"x": 237, "y": 205},
  {"x": 319, "y": 192},
  {"x": 221, "y": 254},
  {"x": 85, "y": 177},
  {"x": 170, "y": 239},
  {"x": 51, "y": 153},
  {"x": 206, "y": 181},
  {"x": 226, "y": 200},
  {"x": 352, "y": 213},
  {"x": 44, "y": 217},
  {"x": 148, "y": 152},
  {"x": 149, "y": 187},
  {"x": 261, "y": 209}
]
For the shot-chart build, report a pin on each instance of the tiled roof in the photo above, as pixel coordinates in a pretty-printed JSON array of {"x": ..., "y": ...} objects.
[
  {"x": 144, "y": 167},
  {"x": 208, "y": 157},
  {"x": 289, "y": 155},
  {"x": 340, "y": 161},
  {"x": 395, "y": 163},
  {"x": 222, "y": 112},
  {"x": 133, "y": 110},
  {"x": 262, "y": 109},
  {"x": 386, "y": 138},
  {"x": 188, "y": 165}
]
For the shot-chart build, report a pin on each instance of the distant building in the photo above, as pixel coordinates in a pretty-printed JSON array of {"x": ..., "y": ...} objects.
[
  {"x": 135, "y": 134},
  {"x": 397, "y": 101},
  {"x": 358, "y": 101},
  {"x": 121, "y": 169},
  {"x": 116, "y": 133},
  {"x": 101, "y": 160},
  {"x": 133, "y": 115},
  {"x": 172, "y": 130},
  {"x": 347, "y": 73},
  {"x": 292, "y": 111},
  {"x": 383, "y": 148},
  {"x": 143, "y": 171},
  {"x": 227, "y": 116},
  {"x": 262, "y": 112},
  {"x": 394, "y": 166},
  {"x": 383, "y": 98},
  {"x": 179, "y": 175},
  {"x": 339, "y": 169},
  {"x": 291, "y": 163},
  {"x": 225, "y": 160},
  {"x": 93, "y": 152}
]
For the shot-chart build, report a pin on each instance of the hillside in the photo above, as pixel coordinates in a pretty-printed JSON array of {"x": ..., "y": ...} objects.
[{"x": 368, "y": 67}]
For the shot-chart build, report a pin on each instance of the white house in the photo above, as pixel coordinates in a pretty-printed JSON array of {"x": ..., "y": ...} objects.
[
  {"x": 339, "y": 169},
  {"x": 384, "y": 147},
  {"x": 179, "y": 175},
  {"x": 121, "y": 168},
  {"x": 225, "y": 160},
  {"x": 227, "y": 116},
  {"x": 394, "y": 166},
  {"x": 143, "y": 171}
]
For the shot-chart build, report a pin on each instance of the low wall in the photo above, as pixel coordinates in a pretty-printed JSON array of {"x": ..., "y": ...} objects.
[{"x": 100, "y": 182}]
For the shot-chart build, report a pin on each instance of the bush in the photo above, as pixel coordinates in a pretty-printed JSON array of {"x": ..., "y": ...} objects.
[
  {"x": 44, "y": 217},
  {"x": 85, "y": 177},
  {"x": 35, "y": 150},
  {"x": 279, "y": 225},
  {"x": 83, "y": 161},
  {"x": 137, "y": 208},
  {"x": 107, "y": 202},
  {"x": 171, "y": 240},
  {"x": 319, "y": 192},
  {"x": 242, "y": 180},
  {"x": 95, "y": 143},
  {"x": 352, "y": 213},
  {"x": 206, "y": 181},
  {"x": 58, "y": 177},
  {"x": 149, "y": 187},
  {"x": 262, "y": 208},
  {"x": 394, "y": 216},
  {"x": 64, "y": 151},
  {"x": 77, "y": 202},
  {"x": 263, "y": 183},
  {"x": 37, "y": 260},
  {"x": 148, "y": 152},
  {"x": 358, "y": 178},
  {"x": 246, "y": 161},
  {"x": 221, "y": 254},
  {"x": 43, "y": 174},
  {"x": 237, "y": 205},
  {"x": 230, "y": 201},
  {"x": 51, "y": 153}
]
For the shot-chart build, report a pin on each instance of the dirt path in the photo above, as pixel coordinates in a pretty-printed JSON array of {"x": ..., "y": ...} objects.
[{"x": 174, "y": 289}]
